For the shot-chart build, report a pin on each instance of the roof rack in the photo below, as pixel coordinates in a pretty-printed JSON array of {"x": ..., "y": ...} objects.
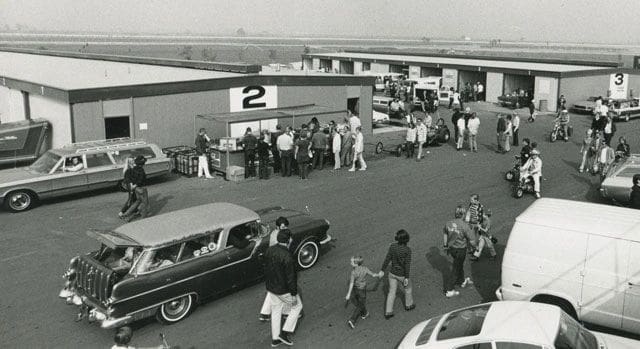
[{"x": 103, "y": 144}]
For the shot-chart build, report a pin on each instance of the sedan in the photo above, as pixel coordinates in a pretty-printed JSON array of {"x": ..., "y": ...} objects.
[{"x": 618, "y": 180}]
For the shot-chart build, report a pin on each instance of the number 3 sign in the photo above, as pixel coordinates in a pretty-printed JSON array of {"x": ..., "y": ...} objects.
[
  {"x": 618, "y": 85},
  {"x": 253, "y": 98}
]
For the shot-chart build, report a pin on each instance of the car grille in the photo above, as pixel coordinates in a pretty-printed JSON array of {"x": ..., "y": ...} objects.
[{"x": 93, "y": 279}]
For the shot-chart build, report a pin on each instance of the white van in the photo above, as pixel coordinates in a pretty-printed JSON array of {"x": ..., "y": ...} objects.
[{"x": 583, "y": 257}]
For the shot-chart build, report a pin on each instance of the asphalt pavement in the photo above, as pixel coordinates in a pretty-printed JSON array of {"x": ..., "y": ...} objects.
[{"x": 365, "y": 210}]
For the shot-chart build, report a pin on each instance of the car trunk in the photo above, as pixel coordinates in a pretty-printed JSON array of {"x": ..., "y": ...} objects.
[{"x": 94, "y": 280}]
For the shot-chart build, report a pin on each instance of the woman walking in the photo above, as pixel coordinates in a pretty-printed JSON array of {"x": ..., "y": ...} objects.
[
  {"x": 508, "y": 132},
  {"x": 587, "y": 150},
  {"x": 399, "y": 256}
]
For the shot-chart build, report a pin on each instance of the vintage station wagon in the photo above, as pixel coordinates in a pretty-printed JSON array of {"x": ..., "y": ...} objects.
[
  {"x": 618, "y": 181},
  {"x": 75, "y": 168},
  {"x": 163, "y": 265}
]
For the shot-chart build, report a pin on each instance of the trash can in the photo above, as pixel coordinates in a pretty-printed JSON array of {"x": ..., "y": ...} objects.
[{"x": 543, "y": 107}]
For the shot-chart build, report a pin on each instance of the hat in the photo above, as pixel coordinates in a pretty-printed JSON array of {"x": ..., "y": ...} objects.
[
  {"x": 140, "y": 160},
  {"x": 535, "y": 152}
]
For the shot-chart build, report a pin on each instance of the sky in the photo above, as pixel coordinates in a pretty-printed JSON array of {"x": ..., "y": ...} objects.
[{"x": 589, "y": 21}]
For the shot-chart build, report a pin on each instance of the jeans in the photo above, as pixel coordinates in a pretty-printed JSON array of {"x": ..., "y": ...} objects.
[
  {"x": 286, "y": 158},
  {"x": 515, "y": 137},
  {"x": 393, "y": 287},
  {"x": 141, "y": 204},
  {"x": 484, "y": 240},
  {"x": 303, "y": 167},
  {"x": 278, "y": 303},
  {"x": 586, "y": 160},
  {"x": 263, "y": 167},
  {"x": 346, "y": 155},
  {"x": 359, "y": 299},
  {"x": 131, "y": 198},
  {"x": 473, "y": 142},
  {"x": 318, "y": 158},
  {"x": 457, "y": 268},
  {"x": 410, "y": 149},
  {"x": 249, "y": 163}
]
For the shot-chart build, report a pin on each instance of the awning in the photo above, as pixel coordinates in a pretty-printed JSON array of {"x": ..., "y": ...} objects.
[{"x": 275, "y": 113}]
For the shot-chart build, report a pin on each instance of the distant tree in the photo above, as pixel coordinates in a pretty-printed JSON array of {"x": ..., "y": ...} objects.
[
  {"x": 208, "y": 54},
  {"x": 241, "y": 32},
  {"x": 186, "y": 52},
  {"x": 273, "y": 54}
]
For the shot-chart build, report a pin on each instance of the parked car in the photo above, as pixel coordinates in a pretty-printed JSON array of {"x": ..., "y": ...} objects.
[
  {"x": 618, "y": 179},
  {"x": 514, "y": 101},
  {"x": 164, "y": 265},
  {"x": 579, "y": 256},
  {"x": 585, "y": 107},
  {"x": 54, "y": 173},
  {"x": 380, "y": 119},
  {"x": 509, "y": 325},
  {"x": 624, "y": 109},
  {"x": 23, "y": 141},
  {"x": 381, "y": 104}
]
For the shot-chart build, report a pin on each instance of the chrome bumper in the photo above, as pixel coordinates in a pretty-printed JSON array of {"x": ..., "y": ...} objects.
[
  {"x": 94, "y": 314},
  {"x": 499, "y": 294},
  {"x": 326, "y": 240}
]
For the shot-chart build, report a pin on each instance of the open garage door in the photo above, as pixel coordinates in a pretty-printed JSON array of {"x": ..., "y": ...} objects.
[
  {"x": 472, "y": 77},
  {"x": 519, "y": 84}
]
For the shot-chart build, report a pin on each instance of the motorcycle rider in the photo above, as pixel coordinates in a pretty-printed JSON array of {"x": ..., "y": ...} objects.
[
  {"x": 525, "y": 152},
  {"x": 563, "y": 120},
  {"x": 533, "y": 168}
]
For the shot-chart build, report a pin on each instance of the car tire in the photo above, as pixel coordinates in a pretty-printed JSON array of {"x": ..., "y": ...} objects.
[
  {"x": 509, "y": 176},
  {"x": 175, "y": 310},
  {"x": 379, "y": 147},
  {"x": 553, "y": 136},
  {"x": 20, "y": 200},
  {"x": 307, "y": 254}
]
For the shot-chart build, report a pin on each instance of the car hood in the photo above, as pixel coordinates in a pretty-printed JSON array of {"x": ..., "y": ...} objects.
[
  {"x": 16, "y": 175},
  {"x": 295, "y": 218},
  {"x": 614, "y": 342}
]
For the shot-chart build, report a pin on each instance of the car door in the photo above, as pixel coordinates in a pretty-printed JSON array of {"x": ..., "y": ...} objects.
[
  {"x": 64, "y": 181},
  {"x": 243, "y": 250},
  {"x": 101, "y": 171},
  {"x": 631, "y": 309},
  {"x": 604, "y": 279},
  {"x": 208, "y": 263}
]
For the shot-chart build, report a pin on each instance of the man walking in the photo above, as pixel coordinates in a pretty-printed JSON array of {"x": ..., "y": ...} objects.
[
  {"x": 281, "y": 282},
  {"x": 473, "y": 126},
  {"x": 421, "y": 130},
  {"x": 202, "y": 142},
  {"x": 285, "y": 148},
  {"x": 457, "y": 235},
  {"x": 358, "y": 149}
]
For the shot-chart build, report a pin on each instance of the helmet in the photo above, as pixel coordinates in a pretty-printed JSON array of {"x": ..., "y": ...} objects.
[{"x": 535, "y": 152}]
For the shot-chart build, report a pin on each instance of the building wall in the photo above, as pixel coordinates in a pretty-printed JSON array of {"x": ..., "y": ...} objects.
[
  {"x": 357, "y": 68},
  {"x": 315, "y": 65},
  {"x": 379, "y": 67},
  {"x": 307, "y": 64},
  {"x": 450, "y": 78},
  {"x": 577, "y": 89},
  {"x": 493, "y": 87},
  {"x": 11, "y": 105},
  {"x": 414, "y": 71},
  {"x": 546, "y": 89},
  {"x": 57, "y": 113}
]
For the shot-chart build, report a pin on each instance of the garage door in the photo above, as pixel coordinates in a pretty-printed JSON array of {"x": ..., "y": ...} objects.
[
  {"x": 515, "y": 83},
  {"x": 472, "y": 77}
]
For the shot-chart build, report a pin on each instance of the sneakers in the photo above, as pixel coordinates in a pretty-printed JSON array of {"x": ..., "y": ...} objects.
[
  {"x": 351, "y": 324},
  {"x": 410, "y": 308},
  {"x": 365, "y": 316},
  {"x": 275, "y": 343},
  {"x": 362, "y": 169},
  {"x": 264, "y": 318},
  {"x": 451, "y": 293},
  {"x": 284, "y": 338},
  {"x": 352, "y": 170},
  {"x": 537, "y": 195},
  {"x": 388, "y": 316},
  {"x": 466, "y": 282}
]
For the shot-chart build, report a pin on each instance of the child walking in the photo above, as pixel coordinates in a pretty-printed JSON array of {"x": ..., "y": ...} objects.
[{"x": 358, "y": 284}]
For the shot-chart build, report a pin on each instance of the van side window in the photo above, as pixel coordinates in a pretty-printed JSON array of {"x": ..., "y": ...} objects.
[{"x": 99, "y": 159}]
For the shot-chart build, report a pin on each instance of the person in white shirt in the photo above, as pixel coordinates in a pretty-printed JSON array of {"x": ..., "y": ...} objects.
[
  {"x": 285, "y": 147},
  {"x": 358, "y": 148},
  {"x": 461, "y": 128},
  {"x": 473, "y": 125},
  {"x": 516, "y": 126},
  {"x": 75, "y": 166},
  {"x": 336, "y": 147},
  {"x": 428, "y": 120},
  {"x": 421, "y": 130},
  {"x": 410, "y": 139},
  {"x": 507, "y": 134},
  {"x": 480, "y": 91},
  {"x": 533, "y": 168},
  {"x": 456, "y": 100},
  {"x": 354, "y": 122}
]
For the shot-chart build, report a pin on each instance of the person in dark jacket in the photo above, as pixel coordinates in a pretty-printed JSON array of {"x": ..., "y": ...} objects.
[
  {"x": 622, "y": 150},
  {"x": 138, "y": 180},
  {"x": 250, "y": 143},
  {"x": 263, "y": 156},
  {"x": 274, "y": 148},
  {"x": 525, "y": 152},
  {"x": 500, "y": 130},
  {"x": 126, "y": 185},
  {"x": 532, "y": 110},
  {"x": 634, "y": 198},
  {"x": 281, "y": 282},
  {"x": 457, "y": 114},
  {"x": 399, "y": 256}
]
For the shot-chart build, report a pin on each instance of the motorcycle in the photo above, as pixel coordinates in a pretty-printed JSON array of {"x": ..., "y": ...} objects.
[
  {"x": 514, "y": 173},
  {"x": 522, "y": 186},
  {"x": 558, "y": 133}
]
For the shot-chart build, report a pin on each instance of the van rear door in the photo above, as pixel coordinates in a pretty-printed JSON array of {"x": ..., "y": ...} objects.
[
  {"x": 604, "y": 283},
  {"x": 631, "y": 309}
]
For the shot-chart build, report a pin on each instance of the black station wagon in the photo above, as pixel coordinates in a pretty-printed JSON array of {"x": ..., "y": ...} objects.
[{"x": 163, "y": 265}]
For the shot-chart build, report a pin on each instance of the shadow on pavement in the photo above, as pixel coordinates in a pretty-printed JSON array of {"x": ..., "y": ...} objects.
[
  {"x": 158, "y": 202},
  {"x": 593, "y": 190},
  {"x": 441, "y": 263},
  {"x": 486, "y": 274}
]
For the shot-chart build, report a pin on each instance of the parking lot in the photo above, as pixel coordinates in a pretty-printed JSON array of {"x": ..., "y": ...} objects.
[{"x": 364, "y": 208}]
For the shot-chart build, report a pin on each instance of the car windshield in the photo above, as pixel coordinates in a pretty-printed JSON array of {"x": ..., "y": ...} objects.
[
  {"x": 463, "y": 323},
  {"x": 45, "y": 163},
  {"x": 571, "y": 335}
]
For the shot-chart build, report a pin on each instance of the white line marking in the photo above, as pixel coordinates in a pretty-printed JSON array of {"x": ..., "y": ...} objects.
[{"x": 18, "y": 256}]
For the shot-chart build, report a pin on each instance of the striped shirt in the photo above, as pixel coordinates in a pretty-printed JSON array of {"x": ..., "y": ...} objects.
[
  {"x": 475, "y": 212},
  {"x": 400, "y": 258}
]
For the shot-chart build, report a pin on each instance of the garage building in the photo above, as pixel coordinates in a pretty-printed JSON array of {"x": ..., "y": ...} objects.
[
  {"x": 87, "y": 97},
  {"x": 546, "y": 78}
]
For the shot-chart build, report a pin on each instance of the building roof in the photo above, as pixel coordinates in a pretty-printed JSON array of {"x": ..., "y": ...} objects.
[
  {"x": 488, "y": 64},
  {"x": 182, "y": 224},
  {"x": 67, "y": 73},
  {"x": 583, "y": 217}
]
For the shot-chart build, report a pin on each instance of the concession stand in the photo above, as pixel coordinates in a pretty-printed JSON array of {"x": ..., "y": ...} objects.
[{"x": 227, "y": 129}]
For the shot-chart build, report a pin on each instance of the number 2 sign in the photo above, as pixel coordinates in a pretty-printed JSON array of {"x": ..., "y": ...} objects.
[{"x": 253, "y": 97}]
